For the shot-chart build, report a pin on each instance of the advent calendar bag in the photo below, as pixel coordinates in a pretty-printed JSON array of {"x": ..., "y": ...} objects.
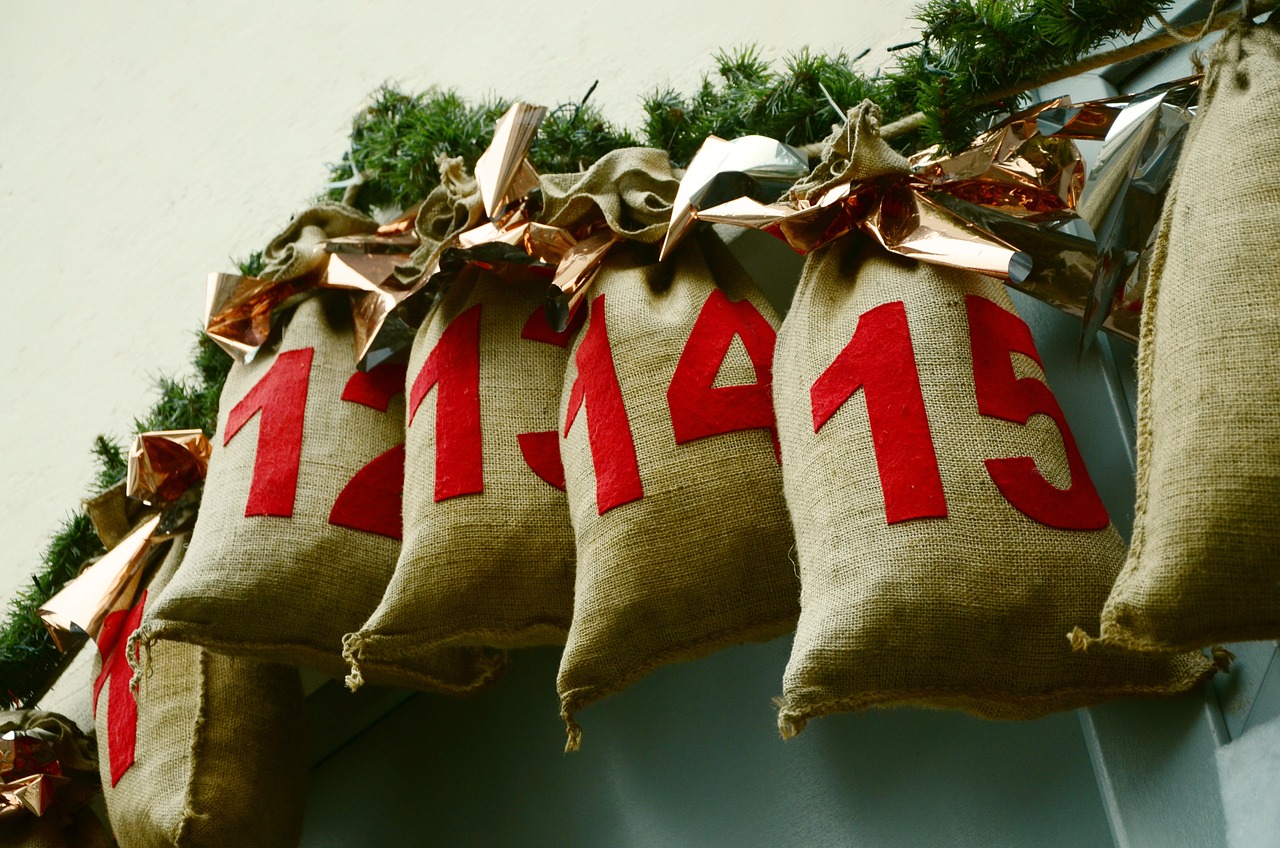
[
  {"x": 209, "y": 750},
  {"x": 488, "y": 551},
  {"x": 947, "y": 532},
  {"x": 671, "y": 470},
  {"x": 299, "y": 528},
  {"x": 1205, "y": 561}
]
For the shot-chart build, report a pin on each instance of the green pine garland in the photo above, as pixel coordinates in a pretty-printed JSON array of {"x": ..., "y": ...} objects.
[{"x": 968, "y": 49}]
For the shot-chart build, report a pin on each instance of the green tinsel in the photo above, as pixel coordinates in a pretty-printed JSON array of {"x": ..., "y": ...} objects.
[{"x": 969, "y": 48}]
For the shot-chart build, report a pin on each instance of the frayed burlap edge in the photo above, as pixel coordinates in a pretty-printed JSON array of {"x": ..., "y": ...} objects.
[
  {"x": 1190, "y": 671},
  {"x": 329, "y": 662},
  {"x": 575, "y": 700},
  {"x": 384, "y": 652},
  {"x": 490, "y": 666}
]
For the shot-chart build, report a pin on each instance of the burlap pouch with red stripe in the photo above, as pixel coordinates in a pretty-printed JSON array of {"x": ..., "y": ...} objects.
[
  {"x": 947, "y": 531},
  {"x": 299, "y": 528},
  {"x": 488, "y": 553},
  {"x": 209, "y": 750},
  {"x": 671, "y": 471}
]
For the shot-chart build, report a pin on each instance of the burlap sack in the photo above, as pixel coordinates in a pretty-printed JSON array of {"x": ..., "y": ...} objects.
[
  {"x": 488, "y": 552},
  {"x": 298, "y": 532},
  {"x": 947, "y": 531},
  {"x": 209, "y": 751},
  {"x": 1205, "y": 562},
  {"x": 671, "y": 472}
]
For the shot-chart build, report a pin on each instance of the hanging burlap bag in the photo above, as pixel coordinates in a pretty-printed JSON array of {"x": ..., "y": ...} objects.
[
  {"x": 947, "y": 532},
  {"x": 1205, "y": 562},
  {"x": 209, "y": 750},
  {"x": 298, "y": 531},
  {"x": 488, "y": 552},
  {"x": 669, "y": 458}
]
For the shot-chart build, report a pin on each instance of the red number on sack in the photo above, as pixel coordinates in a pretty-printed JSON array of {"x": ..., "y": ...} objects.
[
  {"x": 994, "y": 335},
  {"x": 879, "y": 360},
  {"x": 541, "y": 450},
  {"x": 699, "y": 408},
  {"x": 613, "y": 451},
  {"x": 281, "y": 396},
  {"x": 122, "y": 707},
  {"x": 453, "y": 369},
  {"x": 373, "y": 499}
]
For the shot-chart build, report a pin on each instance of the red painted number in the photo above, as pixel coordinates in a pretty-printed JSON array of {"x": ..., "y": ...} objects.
[
  {"x": 994, "y": 335},
  {"x": 879, "y": 360},
  {"x": 281, "y": 397},
  {"x": 698, "y": 407},
  {"x": 613, "y": 451},
  {"x": 373, "y": 500},
  {"x": 453, "y": 369},
  {"x": 122, "y": 707},
  {"x": 541, "y": 450}
]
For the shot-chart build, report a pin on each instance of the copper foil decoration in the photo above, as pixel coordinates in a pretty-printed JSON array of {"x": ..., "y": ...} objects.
[
  {"x": 34, "y": 794},
  {"x": 1123, "y": 200},
  {"x": 511, "y": 243},
  {"x": 239, "y": 310},
  {"x": 503, "y": 170},
  {"x": 108, "y": 585},
  {"x": 1015, "y": 204},
  {"x": 30, "y": 772},
  {"x": 1011, "y": 168},
  {"x": 752, "y": 166},
  {"x": 163, "y": 464}
]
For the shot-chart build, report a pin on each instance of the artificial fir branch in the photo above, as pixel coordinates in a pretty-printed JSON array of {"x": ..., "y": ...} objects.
[{"x": 971, "y": 48}]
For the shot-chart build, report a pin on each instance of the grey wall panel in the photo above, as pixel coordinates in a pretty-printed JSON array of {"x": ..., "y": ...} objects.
[{"x": 690, "y": 757}]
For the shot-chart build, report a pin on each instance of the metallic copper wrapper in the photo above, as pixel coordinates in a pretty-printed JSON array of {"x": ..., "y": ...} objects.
[
  {"x": 163, "y": 464},
  {"x": 239, "y": 310},
  {"x": 751, "y": 166},
  {"x": 1011, "y": 168},
  {"x": 1016, "y": 204},
  {"x": 576, "y": 271},
  {"x": 108, "y": 585},
  {"x": 1125, "y": 196},
  {"x": 503, "y": 170},
  {"x": 33, "y": 794}
]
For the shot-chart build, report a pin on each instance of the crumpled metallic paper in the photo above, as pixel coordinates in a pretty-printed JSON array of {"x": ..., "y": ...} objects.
[
  {"x": 1016, "y": 204},
  {"x": 752, "y": 166},
  {"x": 1010, "y": 168},
  {"x": 1125, "y": 194},
  {"x": 240, "y": 310},
  {"x": 110, "y": 584},
  {"x": 163, "y": 464},
  {"x": 512, "y": 243},
  {"x": 34, "y": 794},
  {"x": 503, "y": 171}
]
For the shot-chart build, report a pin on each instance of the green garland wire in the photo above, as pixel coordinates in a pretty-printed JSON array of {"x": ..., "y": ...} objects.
[{"x": 967, "y": 48}]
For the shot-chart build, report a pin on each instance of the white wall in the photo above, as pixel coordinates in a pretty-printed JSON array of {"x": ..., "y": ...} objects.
[{"x": 143, "y": 144}]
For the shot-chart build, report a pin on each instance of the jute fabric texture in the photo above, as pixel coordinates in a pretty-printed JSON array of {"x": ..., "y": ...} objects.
[
  {"x": 299, "y": 248},
  {"x": 696, "y": 559},
  {"x": 631, "y": 189},
  {"x": 1205, "y": 562},
  {"x": 489, "y": 550},
  {"x": 281, "y": 576},
  {"x": 220, "y": 753},
  {"x": 968, "y": 608}
]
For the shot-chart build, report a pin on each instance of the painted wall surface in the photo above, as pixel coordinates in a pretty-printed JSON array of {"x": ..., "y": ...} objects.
[{"x": 142, "y": 144}]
